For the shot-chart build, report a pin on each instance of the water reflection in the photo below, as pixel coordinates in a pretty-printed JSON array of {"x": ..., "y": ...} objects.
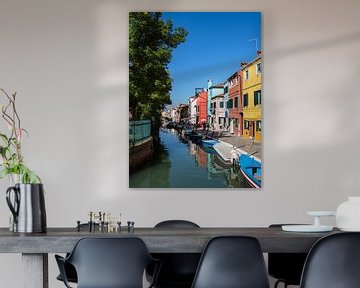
[{"x": 179, "y": 163}]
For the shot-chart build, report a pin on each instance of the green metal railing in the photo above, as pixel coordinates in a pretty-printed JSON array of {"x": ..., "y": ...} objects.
[{"x": 139, "y": 131}]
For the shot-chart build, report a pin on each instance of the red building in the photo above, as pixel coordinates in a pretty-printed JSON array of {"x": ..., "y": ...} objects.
[
  {"x": 201, "y": 108},
  {"x": 235, "y": 103}
]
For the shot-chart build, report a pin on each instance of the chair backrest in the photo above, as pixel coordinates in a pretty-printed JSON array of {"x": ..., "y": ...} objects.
[
  {"x": 232, "y": 262},
  {"x": 333, "y": 262},
  {"x": 286, "y": 267},
  {"x": 176, "y": 224},
  {"x": 178, "y": 269},
  {"x": 110, "y": 262}
]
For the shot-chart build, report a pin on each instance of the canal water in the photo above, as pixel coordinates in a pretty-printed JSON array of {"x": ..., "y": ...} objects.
[{"x": 179, "y": 163}]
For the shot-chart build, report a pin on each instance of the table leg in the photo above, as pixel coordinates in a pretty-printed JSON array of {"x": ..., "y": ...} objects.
[{"x": 35, "y": 270}]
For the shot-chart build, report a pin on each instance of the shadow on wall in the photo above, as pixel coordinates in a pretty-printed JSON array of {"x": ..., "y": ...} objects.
[
  {"x": 312, "y": 46},
  {"x": 311, "y": 131}
]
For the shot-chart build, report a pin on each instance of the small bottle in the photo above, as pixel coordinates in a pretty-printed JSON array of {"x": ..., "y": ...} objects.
[{"x": 90, "y": 223}]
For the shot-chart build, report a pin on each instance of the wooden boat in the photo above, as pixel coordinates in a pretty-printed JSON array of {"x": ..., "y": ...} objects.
[
  {"x": 209, "y": 150},
  {"x": 186, "y": 132},
  {"x": 170, "y": 125},
  {"x": 251, "y": 169},
  {"x": 208, "y": 142},
  {"x": 195, "y": 137}
]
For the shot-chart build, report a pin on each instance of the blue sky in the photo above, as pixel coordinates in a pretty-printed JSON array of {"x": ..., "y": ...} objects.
[{"x": 216, "y": 44}]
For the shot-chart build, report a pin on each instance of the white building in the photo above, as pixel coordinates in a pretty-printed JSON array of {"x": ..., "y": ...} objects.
[
  {"x": 217, "y": 108},
  {"x": 192, "y": 109}
]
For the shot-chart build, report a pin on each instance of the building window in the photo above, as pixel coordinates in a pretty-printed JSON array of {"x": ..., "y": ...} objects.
[
  {"x": 236, "y": 102},
  {"x": 246, "y": 100},
  {"x": 257, "y": 97},
  {"x": 258, "y": 68},
  {"x": 230, "y": 103},
  {"x": 226, "y": 89},
  {"x": 246, "y": 74},
  {"x": 246, "y": 124},
  {"x": 258, "y": 126},
  {"x": 214, "y": 105},
  {"x": 236, "y": 123},
  {"x": 221, "y": 104}
]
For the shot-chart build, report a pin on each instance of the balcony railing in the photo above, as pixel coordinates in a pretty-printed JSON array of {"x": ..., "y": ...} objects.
[{"x": 139, "y": 131}]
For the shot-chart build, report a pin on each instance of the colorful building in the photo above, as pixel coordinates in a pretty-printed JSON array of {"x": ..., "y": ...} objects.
[
  {"x": 226, "y": 98},
  {"x": 218, "y": 112},
  {"x": 183, "y": 113},
  {"x": 192, "y": 109},
  {"x": 213, "y": 91},
  {"x": 173, "y": 114},
  {"x": 201, "y": 115},
  {"x": 251, "y": 96},
  {"x": 235, "y": 104}
]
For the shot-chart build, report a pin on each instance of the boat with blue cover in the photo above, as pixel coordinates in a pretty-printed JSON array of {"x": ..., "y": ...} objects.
[
  {"x": 209, "y": 150},
  {"x": 250, "y": 167},
  {"x": 208, "y": 142}
]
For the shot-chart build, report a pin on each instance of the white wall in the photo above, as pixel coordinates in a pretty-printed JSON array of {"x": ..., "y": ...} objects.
[{"x": 68, "y": 62}]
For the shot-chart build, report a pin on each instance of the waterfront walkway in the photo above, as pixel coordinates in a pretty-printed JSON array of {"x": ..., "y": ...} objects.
[{"x": 241, "y": 145}]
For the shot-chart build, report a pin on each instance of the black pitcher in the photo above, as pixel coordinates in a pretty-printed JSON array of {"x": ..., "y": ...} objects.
[{"x": 28, "y": 207}]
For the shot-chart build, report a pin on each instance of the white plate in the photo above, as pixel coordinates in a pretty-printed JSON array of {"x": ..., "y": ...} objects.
[
  {"x": 350, "y": 229},
  {"x": 306, "y": 228},
  {"x": 321, "y": 213}
]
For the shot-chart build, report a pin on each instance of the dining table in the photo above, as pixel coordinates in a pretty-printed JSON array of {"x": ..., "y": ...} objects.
[{"x": 35, "y": 247}]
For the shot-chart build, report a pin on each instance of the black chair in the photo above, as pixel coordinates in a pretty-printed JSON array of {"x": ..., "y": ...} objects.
[
  {"x": 286, "y": 267},
  {"x": 108, "y": 263},
  {"x": 69, "y": 269},
  {"x": 333, "y": 262},
  {"x": 232, "y": 262},
  {"x": 178, "y": 269}
]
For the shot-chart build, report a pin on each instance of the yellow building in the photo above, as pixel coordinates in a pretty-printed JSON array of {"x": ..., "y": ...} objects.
[{"x": 251, "y": 96}]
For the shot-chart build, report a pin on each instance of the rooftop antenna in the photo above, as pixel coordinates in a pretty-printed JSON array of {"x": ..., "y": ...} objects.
[{"x": 256, "y": 43}]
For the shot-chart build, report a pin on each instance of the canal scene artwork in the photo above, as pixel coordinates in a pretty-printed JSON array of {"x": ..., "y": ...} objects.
[{"x": 195, "y": 100}]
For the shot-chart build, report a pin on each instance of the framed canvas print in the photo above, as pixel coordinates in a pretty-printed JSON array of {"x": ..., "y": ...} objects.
[{"x": 195, "y": 100}]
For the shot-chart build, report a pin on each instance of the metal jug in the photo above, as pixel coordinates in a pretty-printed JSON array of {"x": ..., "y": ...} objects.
[{"x": 28, "y": 208}]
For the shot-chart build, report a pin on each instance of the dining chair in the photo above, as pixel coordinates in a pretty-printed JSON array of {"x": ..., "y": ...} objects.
[
  {"x": 231, "y": 262},
  {"x": 108, "y": 263},
  {"x": 178, "y": 269},
  {"x": 69, "y": 269},
  {"x": 333, "y": 262},
  {"x": 285, "y": 267}
]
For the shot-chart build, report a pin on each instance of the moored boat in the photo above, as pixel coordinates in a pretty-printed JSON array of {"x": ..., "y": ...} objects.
[
  {"x": 186, "y": 132},
  {"x": 250, "y": 167},
  {"x": 209, "y": 150},
  {"x": 195, "y": 137},
  {"x": 170, "y": 125},
  {"x": 208, "y": 142}
]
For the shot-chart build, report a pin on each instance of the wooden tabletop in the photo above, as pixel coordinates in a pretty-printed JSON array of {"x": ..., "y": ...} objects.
[{"x": 158, "y": 240}]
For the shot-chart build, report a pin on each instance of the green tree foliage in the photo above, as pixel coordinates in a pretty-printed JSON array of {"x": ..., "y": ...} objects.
[{"x": 151, "y": 42}]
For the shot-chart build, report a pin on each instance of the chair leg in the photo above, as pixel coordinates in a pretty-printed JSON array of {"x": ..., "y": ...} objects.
[{"x": 279, "y": 281}]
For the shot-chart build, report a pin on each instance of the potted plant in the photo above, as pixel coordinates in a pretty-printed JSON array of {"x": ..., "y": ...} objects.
[
  {"x": 26, "y": 198},
  {"x": 11, "y": 159}
]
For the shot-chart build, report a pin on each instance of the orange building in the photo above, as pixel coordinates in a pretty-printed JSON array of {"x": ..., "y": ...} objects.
[{"x": 201, "y": 108}]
